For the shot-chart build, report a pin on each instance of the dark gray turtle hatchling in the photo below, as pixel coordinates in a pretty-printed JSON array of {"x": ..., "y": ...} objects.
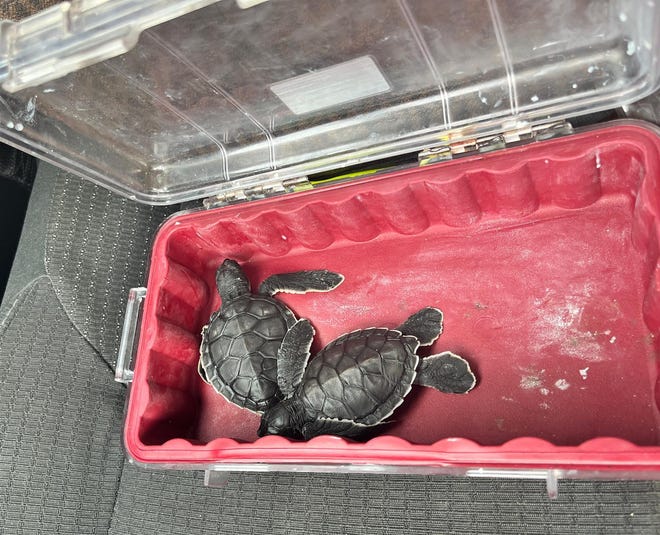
[
  {"x": 238, "y": 353},
  {"x": 359, "y": 379}
]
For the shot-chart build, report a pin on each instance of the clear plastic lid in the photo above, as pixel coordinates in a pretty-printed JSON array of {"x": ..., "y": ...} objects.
[{"x": 224, "y": 94}]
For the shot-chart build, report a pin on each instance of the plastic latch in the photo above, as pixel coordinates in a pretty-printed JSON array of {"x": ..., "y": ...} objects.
[
  {"x": 551, "y": 477},
  {"x": 552, "y": 484},
  {"x": 215, "y": 478},
  {"x": 71, "y": 35},
  {"x": 128, "y": 343}
]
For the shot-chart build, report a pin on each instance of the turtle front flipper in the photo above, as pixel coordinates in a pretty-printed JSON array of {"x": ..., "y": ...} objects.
[
  {"x": 446, "y": 372},
  {"x": 425, "y": 325},
  {"x": 301, "y": 282},
  {"x": 293, "y": 355}
]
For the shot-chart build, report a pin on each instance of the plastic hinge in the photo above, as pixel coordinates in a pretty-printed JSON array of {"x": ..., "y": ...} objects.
[
  {"x": 129, "y": 335},
  {"x": 71, "y": 35},
  {"x": 515, "y": 136},
  {"x": 262, "y": 190}
]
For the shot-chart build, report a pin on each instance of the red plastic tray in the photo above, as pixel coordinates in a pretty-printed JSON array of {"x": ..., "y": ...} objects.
[{"x": 543, "y": 258}]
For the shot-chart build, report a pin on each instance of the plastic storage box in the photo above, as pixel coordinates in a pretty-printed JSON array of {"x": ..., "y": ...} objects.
[{"x": 538, "y": 243}]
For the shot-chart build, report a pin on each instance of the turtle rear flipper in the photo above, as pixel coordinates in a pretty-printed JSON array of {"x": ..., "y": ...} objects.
[
  {"x": 301, "y": 282},
  {"x": 293, "y": 355},
  {"x": 331, "y": 426},
  {"x": 425, "y": 325},
  {"x": 203, "y": 352},
  {"x": 202, "y": 373},
  {"x": 446, "y": 372}
]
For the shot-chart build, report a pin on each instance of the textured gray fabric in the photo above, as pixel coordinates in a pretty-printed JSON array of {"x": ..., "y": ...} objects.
[
  {"x": 97, "y": 247},
  {"x": 29, "y": 260},
  {"x": 60, "y": 450},
  {"x": 19, "y": 9},
  {"x": 176, "y": 503}
]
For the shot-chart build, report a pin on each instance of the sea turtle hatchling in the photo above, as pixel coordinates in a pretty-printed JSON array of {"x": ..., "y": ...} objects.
[
  {"x": 238, "y": 353},
  {"x": 359, "y": 379}
]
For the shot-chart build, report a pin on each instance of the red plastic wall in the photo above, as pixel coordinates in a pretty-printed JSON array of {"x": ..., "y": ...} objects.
[{"x": 543, "y": 259}]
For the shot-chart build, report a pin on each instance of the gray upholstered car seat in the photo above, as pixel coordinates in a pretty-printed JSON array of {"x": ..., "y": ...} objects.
[{"x": 62, "y": 466}]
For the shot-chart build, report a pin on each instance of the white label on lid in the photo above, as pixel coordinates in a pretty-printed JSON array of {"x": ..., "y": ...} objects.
[{"x": 345, "y": 82}]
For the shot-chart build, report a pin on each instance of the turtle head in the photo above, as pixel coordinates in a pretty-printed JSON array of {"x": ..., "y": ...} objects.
[
  {"x": 231, "y": 280},
  {"x": 280, "y": 420}
]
